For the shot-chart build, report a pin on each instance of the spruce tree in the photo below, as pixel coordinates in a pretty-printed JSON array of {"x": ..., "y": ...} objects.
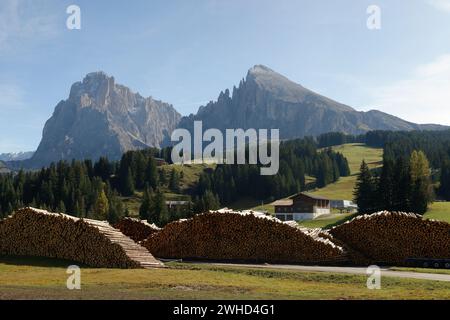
[
  {"x": 145, "y": 208},
  {"x": 152, "y": 173},
  {"x": 101, "y": 206},
  {"x": 444, "y": 188},
  {"x": 403, "y": 186},
  {"x": 174, "y": 182},
  {"x": 386, "y": 185},
  {"x": 365, "y": 190},
  {"x": 159, "y": 209},
  {"x": 128, "y": 187},
  {"x": 115, "y": 208},
  {"x": 422, "y": 193}
]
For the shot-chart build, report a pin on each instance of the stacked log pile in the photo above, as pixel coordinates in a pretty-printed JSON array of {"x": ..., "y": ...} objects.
[
  {"x": 136, "y": 229},
  {"x": 393, "y": 237},
  {"x": 233, "y": 236},
  {"x": 350, "y": 255},
  {"x": 33, "y": 232}
]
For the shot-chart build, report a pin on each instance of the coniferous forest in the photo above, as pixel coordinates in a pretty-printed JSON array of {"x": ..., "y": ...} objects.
[
  {"x": 94, "y": 189},
  {"x": 398, "y": 147},
  {"x": 298, "y": 158},
  {"x": 416, "y": 169}
]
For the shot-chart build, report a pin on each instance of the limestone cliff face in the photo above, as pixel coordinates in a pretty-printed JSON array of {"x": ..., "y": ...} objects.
[
  {"x": 102, "y": 118},
  {"x": 266, "y": 99}
]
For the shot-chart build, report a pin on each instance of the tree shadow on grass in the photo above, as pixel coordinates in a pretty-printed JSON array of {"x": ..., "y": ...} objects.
[{"x": 37, "y": 261}]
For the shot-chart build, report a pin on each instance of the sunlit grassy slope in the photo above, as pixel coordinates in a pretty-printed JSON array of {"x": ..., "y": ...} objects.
[
  {"x": 439, "y": 211},
  {"x": 355, "y": 154}
]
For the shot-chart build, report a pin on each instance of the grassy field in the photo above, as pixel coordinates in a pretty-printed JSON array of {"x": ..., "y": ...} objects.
[
  {"x": 439, "y": 211},
  {"x": 343, "y": 189},
  {"x": 326, "y": 221},
  {"x": 355, "y": 154},
  {"x": 33, "y": 278},
  {"x": 191, "y": 173},
  {"x": 422, "y": 270}
]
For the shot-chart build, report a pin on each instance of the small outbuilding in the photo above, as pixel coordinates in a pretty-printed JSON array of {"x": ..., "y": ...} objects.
[{"x": 344, "y": 206}]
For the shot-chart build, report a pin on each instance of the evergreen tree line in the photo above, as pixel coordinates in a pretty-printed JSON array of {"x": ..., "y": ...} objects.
[
  {"x": 298, "y": 158},
  {"x": 403, "y": 184},
  {"x": 337, "y": 138},
  {"x": 401, "y": 144},
  {"x": 75, "y": 188},
  {"x": 154, "y": 209},
  {"x": 84, "y": 188}
]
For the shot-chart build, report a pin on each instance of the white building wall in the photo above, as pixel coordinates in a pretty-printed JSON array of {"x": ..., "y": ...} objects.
[{"x": 303, "y": 216}]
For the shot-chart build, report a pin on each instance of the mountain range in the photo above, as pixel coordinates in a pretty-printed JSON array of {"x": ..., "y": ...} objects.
[
  {"x": 103, "y": 118},
  {"x": 266, "y": 99}
]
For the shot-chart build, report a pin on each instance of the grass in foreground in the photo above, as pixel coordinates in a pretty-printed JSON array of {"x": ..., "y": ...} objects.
[
  {"x": 422, "y": 270},
  {"x": 35, "y": 278}
]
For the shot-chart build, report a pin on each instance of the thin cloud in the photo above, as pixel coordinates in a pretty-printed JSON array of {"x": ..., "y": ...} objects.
[
  {"x": 424, "y": 97},
  {"x": 25, "y": 21},
  {"x": 11, "y": 97},
  {"x": 443, "y": 5}
]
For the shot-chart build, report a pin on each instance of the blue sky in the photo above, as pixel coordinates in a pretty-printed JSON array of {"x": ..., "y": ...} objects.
[{"x": 186, "y": 52}]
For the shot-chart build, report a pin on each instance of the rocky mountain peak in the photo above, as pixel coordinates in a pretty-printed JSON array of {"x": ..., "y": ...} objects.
[
  {"x": 93, "y": 89},
  {"x": 267, "y": 99},
  {"x": 102, "y": 118}
]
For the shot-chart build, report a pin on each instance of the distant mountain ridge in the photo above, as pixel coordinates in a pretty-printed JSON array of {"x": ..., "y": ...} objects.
[
  {"x": 16, "y": 156},
  {"x": 266, "y": 99},
  {"x": 102, "y": 118}
]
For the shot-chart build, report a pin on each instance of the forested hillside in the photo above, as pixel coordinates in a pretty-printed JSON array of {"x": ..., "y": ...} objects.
[
  {"x": 96, "y": 190},
  {"x": 297, "y": 158},
  {"x": 400, "y": 145}
]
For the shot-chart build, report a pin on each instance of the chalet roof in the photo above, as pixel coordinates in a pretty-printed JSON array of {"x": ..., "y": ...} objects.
[
  {"x": 290, "y": 201},
  {"x": 312, "y": 196},
  {"x": 283, "y": 203}
]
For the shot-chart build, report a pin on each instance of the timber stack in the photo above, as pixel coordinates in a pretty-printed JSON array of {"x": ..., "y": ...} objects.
[
  {"x": 34, "y": 232},
  {"x": 394, "y": 237},
  {"x": 136, "y": 229},
  {"x": 234, "y": 236}
]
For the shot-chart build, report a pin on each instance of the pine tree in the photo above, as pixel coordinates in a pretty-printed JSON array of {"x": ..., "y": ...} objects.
[
  {"x": 386, "y": 185},
  {"x": 145, "y": 208},
  {"x": 128, "y": 187},
  {"x": 422, "y": 193},
  {"x": 152, "y": 173},
  {"x": 174, "y": 182},
  {"x": 210, "y": 201},
  {"x": 444, "y": 189},
  {"x": 159, "y": 213},
  {"x": 365, "y": 190},
  {"x": 115, "y": 209},
  {"x": 402, "y": 189},
  {"x": 101, "y": 206},
  {"x": 61, "y": 207}
]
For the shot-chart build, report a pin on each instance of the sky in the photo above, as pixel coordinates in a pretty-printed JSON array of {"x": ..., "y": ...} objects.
[{"x": 186, "y": 52}]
